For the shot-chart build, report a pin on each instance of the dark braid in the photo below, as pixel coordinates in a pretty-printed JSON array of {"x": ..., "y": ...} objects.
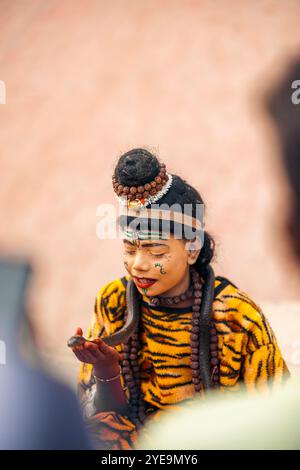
[
  {"x": 138, "y": 167},
  {"x": 206, "y": 255}
]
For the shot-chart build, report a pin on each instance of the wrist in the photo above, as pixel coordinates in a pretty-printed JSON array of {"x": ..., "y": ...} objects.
[{"x": 106, "y": 372}]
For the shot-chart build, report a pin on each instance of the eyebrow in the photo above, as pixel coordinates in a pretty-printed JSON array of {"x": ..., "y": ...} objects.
[{"x": 145, "y": 244}]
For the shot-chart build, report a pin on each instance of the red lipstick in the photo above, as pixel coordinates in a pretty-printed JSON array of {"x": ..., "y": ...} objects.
[{"x": 143, "y": 282}]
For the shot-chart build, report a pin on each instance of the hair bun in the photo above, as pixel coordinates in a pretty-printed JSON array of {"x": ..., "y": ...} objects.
[{"x": 137, "y": 167}]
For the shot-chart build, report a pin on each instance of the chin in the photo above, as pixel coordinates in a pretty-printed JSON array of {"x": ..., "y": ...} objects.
[{"x": 152, "y": 291}]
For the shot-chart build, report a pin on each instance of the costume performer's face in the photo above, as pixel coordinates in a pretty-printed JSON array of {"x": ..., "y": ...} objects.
[{"x": 165, "y": 260}]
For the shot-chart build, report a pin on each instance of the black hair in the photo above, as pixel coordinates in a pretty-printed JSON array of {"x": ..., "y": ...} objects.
[{"x": 138, "y": 167}]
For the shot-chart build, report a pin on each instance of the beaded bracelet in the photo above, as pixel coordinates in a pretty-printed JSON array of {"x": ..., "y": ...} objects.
[{"x": 110, "y": 379}]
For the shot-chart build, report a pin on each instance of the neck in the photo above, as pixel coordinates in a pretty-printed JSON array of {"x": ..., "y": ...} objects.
[{"x": 180, "y": 287}]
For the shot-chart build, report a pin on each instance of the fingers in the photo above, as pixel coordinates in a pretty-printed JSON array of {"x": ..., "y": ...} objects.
[
  {"x": 78, "y": 354},
  {"x": 92, "y": 349},
  {"x": 106, "y": 349},
  {"x": 102, "y": 346},
  {"x": 83, "y": 354}
]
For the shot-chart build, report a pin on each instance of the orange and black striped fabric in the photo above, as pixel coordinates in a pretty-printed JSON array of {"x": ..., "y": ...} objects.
[{"x": 247, "y": 347}]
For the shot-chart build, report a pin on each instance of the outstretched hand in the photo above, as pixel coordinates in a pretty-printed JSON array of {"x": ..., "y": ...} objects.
[{"x": 104, "y": 358}]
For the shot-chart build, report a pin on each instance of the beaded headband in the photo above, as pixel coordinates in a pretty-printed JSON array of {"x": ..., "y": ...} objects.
[
  {"x": 163, "y": 214},
  {"x": 185, "y": 226}
]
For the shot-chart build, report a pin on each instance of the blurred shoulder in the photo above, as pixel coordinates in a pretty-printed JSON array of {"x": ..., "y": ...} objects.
[
  {"x": 114, "y": 286},
  {"x": 112, "y": 295},
  {"x": 236, "y": 310}
]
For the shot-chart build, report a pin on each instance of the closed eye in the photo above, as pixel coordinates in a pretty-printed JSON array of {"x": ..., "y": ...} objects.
[{"x": 152, "y": 254}]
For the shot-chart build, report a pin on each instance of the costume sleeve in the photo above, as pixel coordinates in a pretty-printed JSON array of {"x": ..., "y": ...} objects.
[
  {"x": 263, "y": 366},
  {"x": 98, "y": 328},
  {"x": 248, "y": 350},
  {"x": 108, "y": 429}
]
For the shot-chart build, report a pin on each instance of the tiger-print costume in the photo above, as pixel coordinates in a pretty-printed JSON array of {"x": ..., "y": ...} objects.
[{"x": 248, "y": 353}]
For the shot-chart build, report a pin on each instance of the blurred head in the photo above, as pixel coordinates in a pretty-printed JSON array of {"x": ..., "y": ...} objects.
[
  {"x": 157, "y": 254},
  {"x": 283, "y": 104}
]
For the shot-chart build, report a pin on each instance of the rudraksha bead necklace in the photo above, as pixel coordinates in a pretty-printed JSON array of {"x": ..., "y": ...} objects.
[{"x": 176, "y": 299}]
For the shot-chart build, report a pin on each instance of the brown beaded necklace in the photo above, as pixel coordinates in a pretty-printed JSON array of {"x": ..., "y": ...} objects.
[
  {"x": 176, "y": 299},
  {"x": 131, "y": 369}
]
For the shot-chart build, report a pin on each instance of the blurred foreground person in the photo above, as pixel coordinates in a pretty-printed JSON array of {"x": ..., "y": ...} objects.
[
  {"x": 263, "y": 422},
  {"x": 36, "y": 412},
  {"x": 241, "y": 424}
]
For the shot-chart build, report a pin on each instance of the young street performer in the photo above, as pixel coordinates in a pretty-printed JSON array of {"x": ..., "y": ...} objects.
[{"x": 169, "y": 331}]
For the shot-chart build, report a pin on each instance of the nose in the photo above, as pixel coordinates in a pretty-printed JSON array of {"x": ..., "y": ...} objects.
[{"x": 140, "y": 263}]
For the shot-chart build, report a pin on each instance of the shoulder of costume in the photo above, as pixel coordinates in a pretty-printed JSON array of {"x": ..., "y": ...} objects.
[
  {"x": 239, "y": 311},
  {"x": 225, "y": 289},
  {"x": 221, "y": 283},
  {"x": 111, "y": 304},
  {"x": 112, "y": 293}
]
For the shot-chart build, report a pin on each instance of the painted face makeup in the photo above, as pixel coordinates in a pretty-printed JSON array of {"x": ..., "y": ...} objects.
[{"x": 158, "y": 266}]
